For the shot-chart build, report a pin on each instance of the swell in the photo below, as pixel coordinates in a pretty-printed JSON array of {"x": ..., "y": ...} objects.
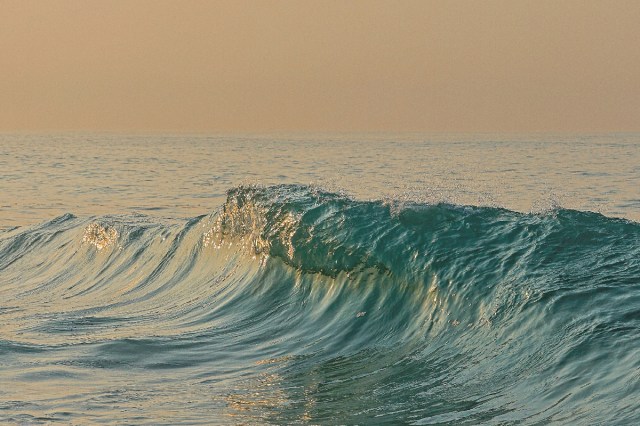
[{"x": 436, "y": 313}]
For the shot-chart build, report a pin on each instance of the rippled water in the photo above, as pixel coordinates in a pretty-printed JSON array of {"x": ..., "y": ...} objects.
[
  {"x": 320, "y": 279},
  {"x": 184, "y": 176}
]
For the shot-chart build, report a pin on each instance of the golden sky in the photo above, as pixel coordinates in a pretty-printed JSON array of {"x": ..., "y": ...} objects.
[{"x": 296, "y": 65}]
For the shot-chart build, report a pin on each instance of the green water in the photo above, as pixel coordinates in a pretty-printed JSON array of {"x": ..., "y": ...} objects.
[{"x": 346, "y": 281}]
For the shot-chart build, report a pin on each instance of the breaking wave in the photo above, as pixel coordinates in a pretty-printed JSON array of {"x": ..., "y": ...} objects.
[{"x": 292, "y": 304}]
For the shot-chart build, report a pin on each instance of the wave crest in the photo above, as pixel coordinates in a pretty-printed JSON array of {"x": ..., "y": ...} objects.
[{"x": 100, "y": 236}]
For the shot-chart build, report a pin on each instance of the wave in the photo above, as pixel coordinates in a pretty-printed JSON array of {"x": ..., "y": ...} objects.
[{"x": 353, "y": 310}]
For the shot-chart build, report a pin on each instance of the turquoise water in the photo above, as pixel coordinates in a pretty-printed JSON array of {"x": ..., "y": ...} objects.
[{"x": 332, "y": 280}]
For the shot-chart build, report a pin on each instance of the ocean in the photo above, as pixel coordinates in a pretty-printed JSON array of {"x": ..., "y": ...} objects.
[{"x": 320, "y": 279}]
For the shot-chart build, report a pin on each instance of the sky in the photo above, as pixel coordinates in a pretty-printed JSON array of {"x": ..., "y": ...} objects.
[{"x": 320, "y": 66}]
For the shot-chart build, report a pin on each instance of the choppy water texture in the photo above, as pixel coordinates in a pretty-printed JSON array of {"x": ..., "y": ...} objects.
[{"x": 326, "y": 280}]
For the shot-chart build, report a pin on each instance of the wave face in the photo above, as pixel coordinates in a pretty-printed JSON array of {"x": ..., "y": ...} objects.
[{"x": 294, "y": 305}]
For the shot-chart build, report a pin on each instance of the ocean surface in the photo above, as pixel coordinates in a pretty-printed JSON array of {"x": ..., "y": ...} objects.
[{"x": 320, "y": 279}]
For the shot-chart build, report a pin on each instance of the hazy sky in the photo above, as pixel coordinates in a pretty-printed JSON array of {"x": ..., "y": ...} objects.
[{"x": 263, "y": 65}]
